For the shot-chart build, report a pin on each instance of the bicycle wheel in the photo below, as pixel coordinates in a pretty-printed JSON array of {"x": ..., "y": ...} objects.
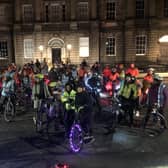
[
  {"x": 76, "y": 138},
  {"x": 156, "y": 124},
  {"x": 9, "y": 112},
  {"x": 38, "y": 123}
]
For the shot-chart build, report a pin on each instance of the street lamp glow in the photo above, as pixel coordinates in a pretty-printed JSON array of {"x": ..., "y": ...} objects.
[
  {"x": 41, "y": 48},
  {"x": 69, "y": 47}
]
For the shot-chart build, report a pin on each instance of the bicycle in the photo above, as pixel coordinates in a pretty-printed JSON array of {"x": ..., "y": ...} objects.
[
  {"x": 48, "y": 117},
  {"x": 76, "y": 137},
  {"x": 155, "y": 120},
  {"x": 76, "y": 133},
  {"x": 23, "y": 98},
  {"x": 9, "y": 108}
]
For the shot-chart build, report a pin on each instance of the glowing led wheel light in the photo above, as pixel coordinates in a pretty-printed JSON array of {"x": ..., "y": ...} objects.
[{"x": 76, "y": 138}]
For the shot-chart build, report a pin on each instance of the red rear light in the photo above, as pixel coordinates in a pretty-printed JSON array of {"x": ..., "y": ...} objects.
[{"x": 108, "y": 86}]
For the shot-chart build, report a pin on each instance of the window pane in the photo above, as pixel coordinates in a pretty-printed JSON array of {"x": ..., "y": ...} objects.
[
  {"x": 3, "y": 49},
  {"x": 166, "y": 8},
  {"x": 46, "y": 13},
  {"x": 2, "y": 11},
  {"x": 110, "y": 10},
  {"x": 140, "y": 45},
  {"x": 27, "y": 13},
  {"x": 84, "y": 47},
  {"x": 83, "y": 10},
  {"x": 140, "y": 8},
  {"x": 56, "y": 12},
  {"x": 110, "y": 46},
  {"x": 28, "y": 48}
]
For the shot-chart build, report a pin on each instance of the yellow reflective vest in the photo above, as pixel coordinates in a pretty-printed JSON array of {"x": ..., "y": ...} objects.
[
  {"x": 129, "y": 91},
  {"x": 69, "y": 99}
]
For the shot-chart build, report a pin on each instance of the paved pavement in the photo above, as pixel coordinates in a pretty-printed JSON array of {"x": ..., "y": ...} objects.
[{"x": 22, "y": 147}]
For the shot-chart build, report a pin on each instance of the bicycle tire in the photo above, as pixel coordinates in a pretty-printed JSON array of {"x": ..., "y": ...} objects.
[
  {"x": 154, "y": 126},
  {"x": 162, "y": 117},
  {"x": 9, "y": 111},
  {"x": 38, "y": 123},
  {"x": 76, "y": 138}
]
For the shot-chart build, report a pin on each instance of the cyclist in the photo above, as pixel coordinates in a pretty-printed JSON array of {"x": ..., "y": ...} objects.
[
  {"x": 8, "y": 87},
  {"x": 84, "y": 100},
  {"x": 68, "y": 100},
  {"x": 147, "y": 81},
  {"x": 158, "y": 93},
  {"x": 132, "y": 70},
  {"x": 39, "y": 92},
  {"x": 128, "y": 94},
  {"x": 114, "y": 79},
  {"x": 106, "y": 74},
  {"x": 26, "y": 83}
]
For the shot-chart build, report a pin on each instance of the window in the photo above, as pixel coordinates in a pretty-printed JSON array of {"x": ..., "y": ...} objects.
[
  {"x": 140, "y": 8},
  {"x": 3, "y": 49},
  {"x": 46, "y": 13},
  {"x": 83, "y": 10},
  {"x": 84, "y": 47},
  {"x": 55, "y": 12},
  {"x": 2, "y": 11},
  {"x": 110, "y": 10},
  {"x": 27, "y": 13},
  {"x": 28, "y": 48},
  {"x": 111, "y": 46},
  {"x": 63, "y": 12},
  {"x": 166, "y": 8},
  {"x": 141, "y": 45}
]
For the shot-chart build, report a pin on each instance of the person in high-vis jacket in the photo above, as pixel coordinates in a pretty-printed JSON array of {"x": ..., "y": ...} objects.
[
  {"x": 68, "y": 99},
  {"x": 128, "y": 94}
]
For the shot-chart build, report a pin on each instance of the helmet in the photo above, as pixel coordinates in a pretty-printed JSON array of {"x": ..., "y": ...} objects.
[
  {"x": 150, "y": 69},
  {"x": 157, "y": 77},
  {"x": 114, "y": 69}
]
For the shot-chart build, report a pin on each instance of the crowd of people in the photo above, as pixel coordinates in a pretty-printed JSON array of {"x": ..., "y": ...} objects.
[{"x": 75, "y": 84}]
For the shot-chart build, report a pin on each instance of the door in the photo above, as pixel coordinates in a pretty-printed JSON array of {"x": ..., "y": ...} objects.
[{"x": 56, "y": 55}]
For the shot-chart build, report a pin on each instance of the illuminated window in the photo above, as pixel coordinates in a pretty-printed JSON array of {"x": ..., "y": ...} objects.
[
  {"x": 111, "y": 46},
  {"x": 84, "y": 46},
  {"x": 166, "y": 8},
  {"x": 110, "y": 10},
  {"x": 140, "y": 8},
  {"x": 141, "y": 41},
  {"x": 3, "y": 49},
  {"x": 27, "y": 13},
  {"x": 28, "y": 48},
  {"x": 83, "y": 11}
]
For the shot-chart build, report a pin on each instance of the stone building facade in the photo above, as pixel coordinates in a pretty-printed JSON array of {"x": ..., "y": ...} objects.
[{"x": 108, "y": 31}]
